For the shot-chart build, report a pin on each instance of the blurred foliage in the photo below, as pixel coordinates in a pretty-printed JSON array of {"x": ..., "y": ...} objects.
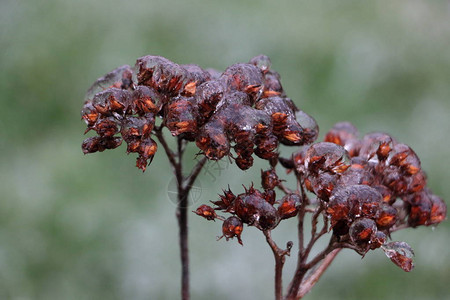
[{"x": 95, "y": 227}]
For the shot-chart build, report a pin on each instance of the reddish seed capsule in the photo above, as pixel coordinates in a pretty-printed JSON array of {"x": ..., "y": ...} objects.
[
  {"x": 89, "y": 114},
  {"x": 145, "y": 101},
  {"x": 243, "y": 77},
  {"x": 119, "y": 78},
  {"x": 377, "y": 143},
  {"x": 270, "y": 196},
  {"x": 226, "y": 201},
  {"x": 386, "y": 217},
  {"x": 266, "y": 146},
  {"x": 400, "y": 254},
  {"x": 438, "y": 210},
  {"x": 99, "y": 144},
  {"x": 362, "y": 230},
  {"x": 208, "y": 96},
  {"x": 206, "y": 212},
  {"x": 420, "y": 213},
  {"x": 378, "y": 240},
  {"x": 181, "y": 117},
  {"x": 364, "y": 200},
  {"x": 213, "y": 141},
  {"x": 309, "y": 126},
  {"x": 345, "y": 135},
  {"x": 338, "y": 209},
  {"x": 289, "y": 206},
  {"x": 253, "y": 209},
  {"x": 386, "y": 193},
  {"x": 161, "y": 74},
  {"x": 322, "y": 184},
  {"x": 106, "y": 127},
  {"x": 269, "y": 179},
  {"x": 326, "y": 157},
  {"x": 244, "y": 163},
  {"x": 356, "y": 176},
  {"x": 232, "y": 227},
  {"x": 147, "y": 148},
  {"x": 404, "y": 157}
]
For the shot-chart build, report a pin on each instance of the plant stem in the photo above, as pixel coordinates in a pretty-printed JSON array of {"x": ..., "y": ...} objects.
[
  {"x": 184, "y": 247},
  {"x": 184, "y": 186},
  {"x": 312, "y": 279},
  {"x": 279, "y": 255}
]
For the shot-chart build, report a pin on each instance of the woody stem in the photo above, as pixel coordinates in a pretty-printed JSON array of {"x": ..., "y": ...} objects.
[{"x": 184, "y": 186}]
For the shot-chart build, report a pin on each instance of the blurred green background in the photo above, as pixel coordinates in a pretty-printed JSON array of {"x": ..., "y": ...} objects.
[{"x": 95, "y": 227}]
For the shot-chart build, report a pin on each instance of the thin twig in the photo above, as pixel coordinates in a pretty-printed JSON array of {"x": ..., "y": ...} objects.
[
  {"x": 170, "y": 155},
  {"x": 279, "y": 255},
  {"x": 195, "y": 172},
  {"x": 312, "y": 279}
]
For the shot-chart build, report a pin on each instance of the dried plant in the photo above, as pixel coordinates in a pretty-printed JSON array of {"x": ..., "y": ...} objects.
[{"x": 359, "y": 189}]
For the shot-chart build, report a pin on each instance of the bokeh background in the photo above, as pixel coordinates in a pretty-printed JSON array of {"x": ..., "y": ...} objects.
[{"x": 95, "y": 227}]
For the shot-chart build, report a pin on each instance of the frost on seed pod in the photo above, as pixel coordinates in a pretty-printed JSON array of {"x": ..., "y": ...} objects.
[
  {"x": 438, "y": 210},
  {"x": 245, "y": 78},
  {"x": 120, "y": 78},
  {"x": 206, "y": 212},
  {"x": 405, "y": 158},
  {"x": 376, "y": 145},
  {"x": 262, "y": 62},
  {"x": 386, "y": 216},
  {"x": 352, "y": 202},
  {"x": 327, "y": 157},
  {"x": 289, "y": 206},
  {"x": 252, "y": 208},
  {"x": 269, "y": 179},
  {"x": 309, "y": 126},
  {"x": 425, "y": 209},
  {"x": 322, "y": 185},
  {"x": 181, "y": 117},
  {"x": 242, "y": 109},
  {"x": 232, "y": 227},
  {"x": 161, "y": 74},
  {"x": 145, "y": 100},
  {"x": 345, "y": 135},
  {"x": 362, "y": 231},
  {"x": 100, "y": 144},
  {"x": 400, "y": 253}
]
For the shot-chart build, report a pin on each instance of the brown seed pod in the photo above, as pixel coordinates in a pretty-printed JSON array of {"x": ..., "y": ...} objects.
[
  {"x": 289, "y": 206},
  {"x": 145, "y": 100},
  {"x": 362, "y": 231},
  {"x": 232, "y": 227},
  {"x": 378, "y": 240},
  {"x": 420, "y": 210},
  {"x": 327, "y": 157},
  {"x": 438, "y": 210},
  {"x": 206, "y": 212},
  {"x": 226, "y": 201},
  {"x": 376, "y": 145},
  {"x": 405, "y": 158},
  {"x": 386, "y": 216},
  {"x": 120, "y": 78},
  {"x": 99, "y": 144},
  {"x": 181, "y": 117},
  {"x": 212, "y": 140},
  {"x": 106, "y": 127},
  {"x": 161, "y": 74},
  {"x": 253, "y": 209},
  {"x": 269, "y": 179}
]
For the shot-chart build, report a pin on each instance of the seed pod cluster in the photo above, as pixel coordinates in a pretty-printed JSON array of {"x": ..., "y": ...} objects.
[
  {"x": 243, "y": 109},
  {"x": 368, "y": 185},
  {"x": 253, "y": 207}
]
